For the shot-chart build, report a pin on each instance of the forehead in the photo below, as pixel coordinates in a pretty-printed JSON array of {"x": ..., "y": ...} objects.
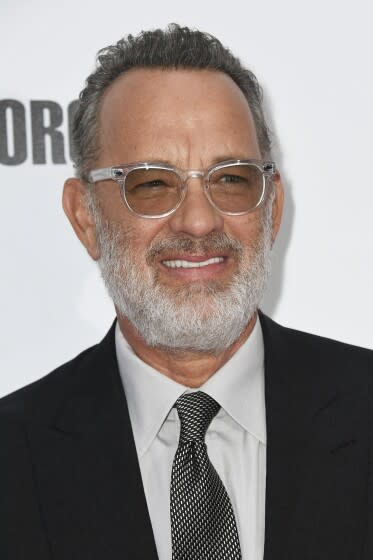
[{"x": 177, "y": 108}]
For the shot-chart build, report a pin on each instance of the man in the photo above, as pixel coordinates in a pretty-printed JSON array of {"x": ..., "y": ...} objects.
[{"x": 197, "y": 428}]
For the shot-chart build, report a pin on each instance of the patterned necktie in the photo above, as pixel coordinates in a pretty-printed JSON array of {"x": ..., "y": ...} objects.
[{"x": 202, "y": 520}]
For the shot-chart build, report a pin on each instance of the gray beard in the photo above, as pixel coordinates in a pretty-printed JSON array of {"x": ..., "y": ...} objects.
[{"x": 199, "y": 317}]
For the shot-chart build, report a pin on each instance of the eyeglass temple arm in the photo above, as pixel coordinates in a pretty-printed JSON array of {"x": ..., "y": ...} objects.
[{"x": 104, "y": 174}]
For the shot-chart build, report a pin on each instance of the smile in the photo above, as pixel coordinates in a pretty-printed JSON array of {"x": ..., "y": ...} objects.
[{"x": 190, "y": 264}]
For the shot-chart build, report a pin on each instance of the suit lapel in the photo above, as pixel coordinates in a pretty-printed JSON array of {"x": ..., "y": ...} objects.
[
  {"x": 86, "y": 469},
  {"x": 317, "y": 454}
]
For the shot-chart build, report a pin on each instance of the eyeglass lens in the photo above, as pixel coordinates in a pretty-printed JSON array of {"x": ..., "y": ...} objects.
[
  {"x": 152, "y": 191},
  {"x": 236, "y": 188}
]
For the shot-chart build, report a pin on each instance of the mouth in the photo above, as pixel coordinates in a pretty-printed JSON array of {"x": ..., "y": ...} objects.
[
  {"x": 195, "y": 268},
  {"x": 184, "y": 260},
  {"x": 189, "y": 263}
]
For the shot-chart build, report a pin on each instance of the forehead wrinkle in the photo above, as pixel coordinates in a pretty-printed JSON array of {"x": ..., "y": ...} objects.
[
  {"x": 177, "y": 152},
  {"x": 173, "y": 153}
]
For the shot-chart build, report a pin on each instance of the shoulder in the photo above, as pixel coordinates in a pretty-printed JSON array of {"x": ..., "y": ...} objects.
[
  {"x": 306, "y": 341},
  {"x": 38, "y": 404},
  {"x": 41, "y": 399},
  {"x": 59, "y": 402},
  {"x": 306, "y": 352}
]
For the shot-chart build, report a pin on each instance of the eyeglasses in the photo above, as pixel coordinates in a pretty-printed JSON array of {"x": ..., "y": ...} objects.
[{"x": 156, "y": 190}]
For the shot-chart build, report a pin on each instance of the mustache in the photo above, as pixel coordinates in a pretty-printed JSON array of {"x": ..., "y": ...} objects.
[{"x": 213, "y": 242}]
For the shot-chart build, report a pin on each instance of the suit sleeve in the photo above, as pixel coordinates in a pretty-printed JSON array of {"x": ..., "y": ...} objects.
[{"x": 21, "y": 531}]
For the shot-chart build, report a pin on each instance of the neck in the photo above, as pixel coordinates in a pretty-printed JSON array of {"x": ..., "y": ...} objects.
[{"x": 188, "y": 368}]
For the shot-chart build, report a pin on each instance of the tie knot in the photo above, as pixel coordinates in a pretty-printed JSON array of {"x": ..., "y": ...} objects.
[{"x": 195, "y": 410}]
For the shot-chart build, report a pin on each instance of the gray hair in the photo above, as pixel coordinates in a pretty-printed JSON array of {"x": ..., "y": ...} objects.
[{"x": 174, "y": 47}]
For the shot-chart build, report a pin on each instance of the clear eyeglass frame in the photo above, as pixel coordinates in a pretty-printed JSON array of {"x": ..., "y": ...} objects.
[{"x": 119, "y": 173}]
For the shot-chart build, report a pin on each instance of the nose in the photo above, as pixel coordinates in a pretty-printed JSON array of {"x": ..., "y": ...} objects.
[{"x": 196, "y": 216}]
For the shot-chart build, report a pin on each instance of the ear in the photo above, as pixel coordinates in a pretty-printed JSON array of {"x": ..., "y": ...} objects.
[
  {"x": 277, "y": 205},
  {"x": 73, "y": 202}
]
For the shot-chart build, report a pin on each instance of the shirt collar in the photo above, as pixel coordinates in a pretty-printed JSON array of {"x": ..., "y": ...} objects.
[{"x": 238, "y": 387}]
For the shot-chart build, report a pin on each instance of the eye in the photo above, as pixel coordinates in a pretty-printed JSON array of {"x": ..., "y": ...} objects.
[
  {"x": 151, "y": 181},
  {"x": 229, "y": 178},
  {"x": 151, "y": 184}
]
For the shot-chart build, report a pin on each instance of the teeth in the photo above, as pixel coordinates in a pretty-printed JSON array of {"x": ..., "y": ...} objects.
[{"x": 189, "y": 264}]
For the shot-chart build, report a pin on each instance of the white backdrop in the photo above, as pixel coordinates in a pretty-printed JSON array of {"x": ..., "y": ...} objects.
[{"x": 314, "y": 62}]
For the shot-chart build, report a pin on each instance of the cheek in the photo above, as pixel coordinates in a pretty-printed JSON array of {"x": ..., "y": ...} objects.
[
  {"x": 245, "y": 229},
  {"x": 141, "y": 233}
]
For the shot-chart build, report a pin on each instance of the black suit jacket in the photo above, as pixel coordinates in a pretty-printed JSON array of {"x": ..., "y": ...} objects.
[{"x": 70, "y": 484}]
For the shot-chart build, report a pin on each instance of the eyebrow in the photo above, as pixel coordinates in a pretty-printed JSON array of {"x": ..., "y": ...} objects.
[{"x": 226, "y": 157}]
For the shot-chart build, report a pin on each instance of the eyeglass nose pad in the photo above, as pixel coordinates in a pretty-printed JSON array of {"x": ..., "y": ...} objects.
[
  {"x": 193, "y": 174},
  {"x": 196, "y": 174}
]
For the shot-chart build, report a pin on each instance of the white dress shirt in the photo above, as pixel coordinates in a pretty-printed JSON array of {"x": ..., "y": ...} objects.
[{"x": 236, "y": 437}]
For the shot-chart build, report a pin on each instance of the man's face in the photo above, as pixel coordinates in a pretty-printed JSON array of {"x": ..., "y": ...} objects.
[{"x": 189, "y": 119}]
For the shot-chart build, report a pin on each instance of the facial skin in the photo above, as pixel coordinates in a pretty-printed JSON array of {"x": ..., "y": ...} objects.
[{"x": 190, "y": 119}]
